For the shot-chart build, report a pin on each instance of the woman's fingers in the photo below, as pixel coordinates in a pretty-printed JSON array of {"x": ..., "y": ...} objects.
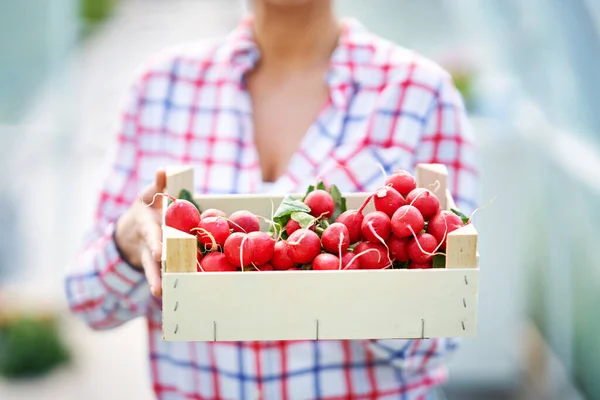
[
  {"x": 152, "y": 233},
  {"x": 152, "y": 270}
]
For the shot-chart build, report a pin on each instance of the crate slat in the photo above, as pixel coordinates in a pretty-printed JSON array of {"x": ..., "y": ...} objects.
[{"x": 350, "y": 305}]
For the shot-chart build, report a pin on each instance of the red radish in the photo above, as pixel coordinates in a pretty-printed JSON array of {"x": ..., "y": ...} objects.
[
  {"x": 398, "y": 248},
  {"x": 281, "y": 260},
  {"x": 265, "y": 267},
  {"x": 415, "y": 265},
  {"x": 182, "y": 215},
  {"x": 238, "y": 249},
  {"x": 374, "y": 255},
  {"x": 425, "y": 201},
  {"x": 244, "y": 221},
  {"x": 348, "y": 257},
  {"x": 388, "y": 200},
  {"x": 292, "y": 226},
  {"x": 303, "y": 246},
  {"x": 442, "y": 224},
  {"x": 376, "y": 227},
  {"x": 321, "y": 204},
  {"x": 402, "y": 181},
  {"x": 428, "y": 245},
  {"x": 353, "y": 221},
  {"x": 336, "y": 238},
  {"x": 407, "y": 218},
  {"x": 216, "y": 262},
  {"x": 213, "y": 232},
  {"x": 325, "y": 261},
  {"x": 213, "y": 212},
  {"x": 262, "y": 247}
]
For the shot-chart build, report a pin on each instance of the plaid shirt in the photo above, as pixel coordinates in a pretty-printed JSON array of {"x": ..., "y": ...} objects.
[{"x": 387, "y": 106}]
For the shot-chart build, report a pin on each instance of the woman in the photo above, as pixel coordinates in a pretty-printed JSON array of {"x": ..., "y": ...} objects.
[{"x": 290, "y": 94}]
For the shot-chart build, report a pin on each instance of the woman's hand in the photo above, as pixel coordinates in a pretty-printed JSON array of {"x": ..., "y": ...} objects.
[{"x": 138, "y": 233}]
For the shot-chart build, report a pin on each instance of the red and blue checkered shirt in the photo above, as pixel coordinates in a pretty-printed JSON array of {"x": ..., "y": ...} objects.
[{"x": 387, "y": 107}]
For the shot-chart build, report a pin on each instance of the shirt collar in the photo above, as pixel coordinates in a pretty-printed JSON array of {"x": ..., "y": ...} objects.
[{"x": 355, "y": 49}]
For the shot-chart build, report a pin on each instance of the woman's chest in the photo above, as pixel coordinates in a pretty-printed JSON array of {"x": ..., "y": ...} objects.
[{"x": 348, "y": 143}]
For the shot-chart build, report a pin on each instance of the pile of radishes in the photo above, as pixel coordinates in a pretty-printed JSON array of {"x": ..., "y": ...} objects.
[{"x": 407, "y": 229}]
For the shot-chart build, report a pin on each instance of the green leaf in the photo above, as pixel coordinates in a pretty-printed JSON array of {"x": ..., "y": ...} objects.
[
  {"x": 439, "y": 261},
  {"x": 400, "y": 265},
  {"x": 304, "y": 219},
  {"x": 462, "y": 216},
  {"x": 185, "y": 194},
  {"x": 306, "y": 267},
  {"x": 288, "y": 206},
  {"x": 311, "y": 188},
  {"x": 339, "y": 200},
  {"x": 321, "y": 186}
]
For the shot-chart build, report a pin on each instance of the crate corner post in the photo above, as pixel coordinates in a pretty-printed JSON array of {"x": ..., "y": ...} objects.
[
  {"x": 435, "y": 178},
  {"x": 178, "y": 178},
  {"x": 462, "y": 248}
]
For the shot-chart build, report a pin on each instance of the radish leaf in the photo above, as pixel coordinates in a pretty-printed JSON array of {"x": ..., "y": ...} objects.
[
  {"x": 462, "y": 216},
  {"x": 310, "y": 189},
  {"x": 321, "y": 186},
  {"x": 339, "y": 200},
  {"x": 185, "y": 194},
  {"x": 304, "y": 219},
  {"x": 288, "y": 206},
  {"x": 439, "y": 261}
]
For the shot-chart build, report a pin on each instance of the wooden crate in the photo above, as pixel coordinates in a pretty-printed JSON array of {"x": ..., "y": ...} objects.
[{"x": 316, "y": 305}]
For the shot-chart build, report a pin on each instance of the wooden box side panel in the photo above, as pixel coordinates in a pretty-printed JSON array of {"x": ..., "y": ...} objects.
[{"x": 308, "y": 305}]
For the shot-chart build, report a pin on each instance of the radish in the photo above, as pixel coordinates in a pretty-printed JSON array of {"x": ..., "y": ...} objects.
[
  {"x": 350, "y": 260},
  {"x": 182, "y": 215},
  {"x": 321, "y": 204},
  {"x": 213, "y": 212},
  {"x": 238, "y": 249},
  {"x": 292, "y": 226},
  {"x": 376, "y": 227},
  {"x": 216, "y": 262},
  {"x": 406, "y": 220},
  {"x": 425, "y": 201},
  {"x": 353, "y": 221},
  {"x": 442, "y": 224},
  {"x": 265, "y": 267},
  {"x": 281, "y": 260},
  {"x": 326, "y": 261},
  {"x": 388, "y": 200},
  {"x": 415, "y": 265},
  {"x": 303, "y": 246},
  {"x": 336, "y": 238},
  {"x": 428, "y": 244},
  {"x": 213, "y": 232},
  {"x": 402, "y": 181},
  {"x": 398, "y": 248},
  {"x": 244, "y": 221},
  {"x": 372, "y": 255},
  {"x": 262, "y": 247}
]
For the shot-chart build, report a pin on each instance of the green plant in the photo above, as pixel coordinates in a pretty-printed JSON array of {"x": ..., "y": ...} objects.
[{"x": 30, "y": 347}]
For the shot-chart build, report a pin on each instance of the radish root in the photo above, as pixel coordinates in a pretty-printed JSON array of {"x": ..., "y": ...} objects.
[
  {"x": 370, "y": 224},
  {"x": 480, "y": 208},
  {"x": 362, "y": 253},
  {"x": 173, "y": 199},
  {"x": 435, "y": 253},
  {"x": 242, "y": 252},
  {"x": 214, "y": 245}
]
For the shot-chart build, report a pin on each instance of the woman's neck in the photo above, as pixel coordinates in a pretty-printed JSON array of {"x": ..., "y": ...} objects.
[{"x": 295, "y": 36}]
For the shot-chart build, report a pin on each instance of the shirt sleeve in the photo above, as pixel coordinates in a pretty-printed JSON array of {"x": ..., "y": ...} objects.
[
  {"x": 447, "y": 138},
  {"x": 102, "y": 288}
]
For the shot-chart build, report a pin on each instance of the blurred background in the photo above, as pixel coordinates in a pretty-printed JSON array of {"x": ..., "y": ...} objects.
[{"x": 529, "y": 73}]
